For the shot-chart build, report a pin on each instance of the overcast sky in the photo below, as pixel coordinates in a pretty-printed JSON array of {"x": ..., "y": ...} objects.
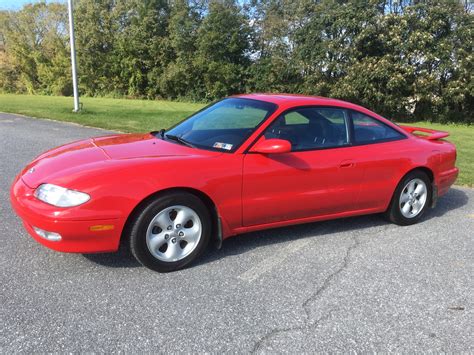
[{"x": 17, "y": 4}]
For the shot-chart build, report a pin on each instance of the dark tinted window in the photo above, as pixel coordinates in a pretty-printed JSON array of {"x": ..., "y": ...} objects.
[
  {"x": 370, "y": 130},
  {"x": 311, "y": 128}
]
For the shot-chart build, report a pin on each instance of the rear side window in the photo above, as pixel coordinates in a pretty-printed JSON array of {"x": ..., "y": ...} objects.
[{"x": 369, "y": 130}]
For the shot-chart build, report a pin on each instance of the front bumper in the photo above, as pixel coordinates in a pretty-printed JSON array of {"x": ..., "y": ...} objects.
[{"x": 77, "y": 236}]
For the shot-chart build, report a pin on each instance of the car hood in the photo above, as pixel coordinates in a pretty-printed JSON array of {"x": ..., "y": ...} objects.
[{"x": 81, "y": 156}]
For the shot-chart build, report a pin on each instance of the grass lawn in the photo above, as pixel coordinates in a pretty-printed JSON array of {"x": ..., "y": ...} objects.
[
  {"x": 463, "y": 137},
  {"x": 116, "y": 114},
  {"x": 142, "y": 116}
]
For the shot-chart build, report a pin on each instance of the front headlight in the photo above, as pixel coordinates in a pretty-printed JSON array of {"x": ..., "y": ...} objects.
[{"x": 60, "y": 196}]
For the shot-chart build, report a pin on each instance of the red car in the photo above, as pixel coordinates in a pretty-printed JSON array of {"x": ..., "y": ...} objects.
[{"x": 245, "y": 163}]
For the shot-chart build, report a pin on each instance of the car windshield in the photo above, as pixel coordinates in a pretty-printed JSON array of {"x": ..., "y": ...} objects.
[{"x": 223, "y": 126}]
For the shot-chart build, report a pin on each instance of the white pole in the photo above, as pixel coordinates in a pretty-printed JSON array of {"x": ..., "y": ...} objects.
[{"x": 73, "y": 57}]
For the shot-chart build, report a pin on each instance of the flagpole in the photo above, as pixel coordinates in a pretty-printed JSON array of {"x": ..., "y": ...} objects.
[{"x": 73, "y": 57}]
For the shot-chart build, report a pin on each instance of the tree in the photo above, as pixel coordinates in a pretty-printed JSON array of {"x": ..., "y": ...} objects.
[
  {"x": 35, "y": 50},
  {"x": 407, "y": 59},
  {"x": 142, "y": 46},
  {"x": 97, "y": 23},
  {"x": 419, "y": 67},
  {"x": 180, "y": 76},
  {"x": 274, "y": 23},
  {"x": 222, "y": 50}
]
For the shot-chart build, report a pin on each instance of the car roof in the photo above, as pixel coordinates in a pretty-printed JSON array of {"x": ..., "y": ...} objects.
[
  {"x": 288, "y": 101},
  {"x": 294, "y": 99}
]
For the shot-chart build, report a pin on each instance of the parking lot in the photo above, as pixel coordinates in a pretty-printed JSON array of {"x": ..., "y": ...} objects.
[{"x": 357, "y": 284}]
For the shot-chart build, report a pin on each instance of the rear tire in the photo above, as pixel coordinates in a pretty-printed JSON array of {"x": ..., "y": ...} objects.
[
  {"x": 170, "y": 232},
  {"x": 411, "y": 199}
]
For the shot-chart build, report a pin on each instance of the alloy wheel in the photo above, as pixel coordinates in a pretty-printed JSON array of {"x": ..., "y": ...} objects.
[
  {"x": 413, "y": 198},
  {"x": 173, "y": 233}
]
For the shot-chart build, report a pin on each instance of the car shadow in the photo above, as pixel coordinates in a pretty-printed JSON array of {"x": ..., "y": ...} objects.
[
  {"x": 454, "y": 198},
  {"x": 122, "y": 258},
  {"x": 243, "y": 243}
]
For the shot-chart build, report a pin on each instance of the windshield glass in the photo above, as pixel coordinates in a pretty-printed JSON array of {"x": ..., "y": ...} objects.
[{"x": 223, "y": 126}]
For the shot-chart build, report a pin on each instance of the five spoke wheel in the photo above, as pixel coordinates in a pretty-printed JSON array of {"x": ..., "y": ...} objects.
[
  {"x": 170, "y": 231},
  {"x": 413, "y": 198},
  {"x": 173, "y": 233}
]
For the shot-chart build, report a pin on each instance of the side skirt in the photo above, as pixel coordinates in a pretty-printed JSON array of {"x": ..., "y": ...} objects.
[{"x": 253, "y": 228}]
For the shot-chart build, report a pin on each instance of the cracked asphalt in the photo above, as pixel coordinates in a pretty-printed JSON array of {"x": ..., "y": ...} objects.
[{"x": 357, "y": 284}]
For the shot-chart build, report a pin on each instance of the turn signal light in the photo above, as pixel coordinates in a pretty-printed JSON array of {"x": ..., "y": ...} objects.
[{"x": 101, "y": 227}]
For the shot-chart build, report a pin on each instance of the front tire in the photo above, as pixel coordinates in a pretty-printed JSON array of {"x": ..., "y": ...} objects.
[
  {"x": 170, "y": 232},
  {"x": 411, "y": 199}
]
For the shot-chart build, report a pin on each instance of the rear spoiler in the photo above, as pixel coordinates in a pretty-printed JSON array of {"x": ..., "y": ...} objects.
[{"x": 426, "y": 133}]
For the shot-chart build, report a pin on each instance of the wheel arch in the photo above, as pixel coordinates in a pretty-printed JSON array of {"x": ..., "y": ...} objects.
[
  {"x": 216, "y": 234},
  {"x": 424, "y": 169}
]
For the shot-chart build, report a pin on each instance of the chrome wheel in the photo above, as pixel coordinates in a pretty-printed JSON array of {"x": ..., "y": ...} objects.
[
  {"x": 413, "y": 198},
  {"x": 174, "y": 233}
]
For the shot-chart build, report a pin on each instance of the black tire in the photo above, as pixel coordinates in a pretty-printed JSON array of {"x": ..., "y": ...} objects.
[
  {"x": 139, "y": 227},
  {"x": 394, "y": 213}
]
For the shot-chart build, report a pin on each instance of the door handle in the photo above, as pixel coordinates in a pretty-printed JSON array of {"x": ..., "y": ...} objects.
[{"x": 346, "y": 164}]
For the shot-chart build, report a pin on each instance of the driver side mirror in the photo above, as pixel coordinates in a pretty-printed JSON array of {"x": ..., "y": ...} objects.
[{"x": 272, "y": 146}]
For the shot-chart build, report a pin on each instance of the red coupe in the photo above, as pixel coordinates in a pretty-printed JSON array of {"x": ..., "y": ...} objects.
[{"x": 245, "y": 163}]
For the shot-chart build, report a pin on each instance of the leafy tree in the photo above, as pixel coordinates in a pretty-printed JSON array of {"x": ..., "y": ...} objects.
[
  {"x": 180, "y": 76},
  {"x": 96, "y": 23},
  {"x": 142, "y": 46},
  {"x": 222, "y": 50},
  {"x": 416, "y": 69},
  {"x": 407, "y": 59},
  {"x": 274, "y": 23},
  {"x": 35, "y": 46}
]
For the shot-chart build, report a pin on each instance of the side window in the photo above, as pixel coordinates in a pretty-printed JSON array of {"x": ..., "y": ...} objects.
[
  {"x": 295, "y": 117},
  {"x": 311, "y": 128},
  {"x": 369, "y": 130}
]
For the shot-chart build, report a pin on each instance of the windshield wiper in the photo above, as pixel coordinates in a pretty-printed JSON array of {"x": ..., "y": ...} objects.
[
  {"x": 179, "y": 140},
  {"x": 161, "y": 132}
]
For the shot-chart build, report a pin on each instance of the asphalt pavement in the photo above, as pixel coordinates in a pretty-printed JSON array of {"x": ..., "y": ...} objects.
[{"x": 357, "y": 284}]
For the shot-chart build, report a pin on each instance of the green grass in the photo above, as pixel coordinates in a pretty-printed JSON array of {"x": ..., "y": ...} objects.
[
  {"x": 142, "y": 116},
  {"x": 117, "y": 114},
  {"x": 463, "y": 137}
]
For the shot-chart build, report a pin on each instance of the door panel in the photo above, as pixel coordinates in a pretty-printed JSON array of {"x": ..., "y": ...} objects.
[
  {"x": 296, "y": 185},
  {"x": 319, "y": 177}
]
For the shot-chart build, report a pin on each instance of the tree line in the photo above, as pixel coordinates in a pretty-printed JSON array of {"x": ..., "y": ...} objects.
[{"x": 406, "y": 59}]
